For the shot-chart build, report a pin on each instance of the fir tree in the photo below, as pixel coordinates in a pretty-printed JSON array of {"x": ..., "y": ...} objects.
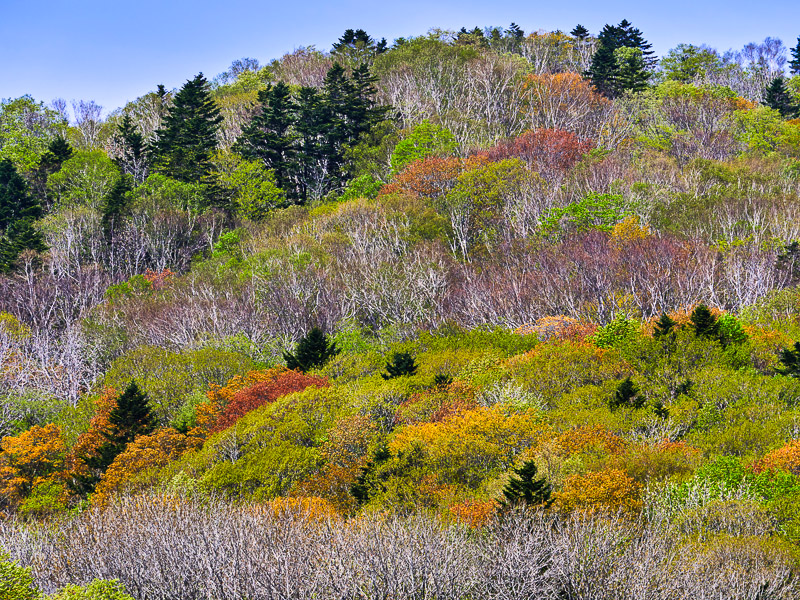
[
  {"x": 664, "y": 327},
  {"x": 15, "y": 201},
  {"x": 188, "y": 136},
  {"x": 312, "y": 351},
  {"x": 133, "y": 151},
  {"x": 704, "y": 323},
  {"x": 777, "y": 97},
  {"x": 362, "y": 489},
  {"x": 627, "y": 396},
  {"x": 269, "y": 136},
  {"x": 116, "y": 204},
  {"x": 523, "y": 489},
  {"x": 632, "y": 74},
  {"x": 401, "y": 365},
  {"x": 790, "y": 361},
  {"x": 515, "y": 32},
  {"x": 609, "y": 75},
  {"x": 580, "y": 32},
  {"x": 794, "y": 64}
]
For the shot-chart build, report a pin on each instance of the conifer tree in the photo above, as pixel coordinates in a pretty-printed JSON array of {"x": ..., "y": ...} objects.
[
  {"x": 515, "y": 32},
  {"x": 777, "y": 97},
  {"x": 580, "y": 32},
  {"x": 402, "y": 364},
  {"x": 627, "y": 396},
  {"x": 604, "y": 71},
  {"x": 183, "y": 145},
  {"x": 15, "y": 201},
  {"x": 133, "y": 156},
  {"x": 704, "y": 323},
  {"x": 794, "y": 64},
  {"x": 312, "y": 351},
  {"x": 665, "y": 326},
  {"x": 790, "y": 361},
  {"x": 523, "y": 489},
  {"x": 116, "y": 204},
  {"x": 632, "y": 73}
]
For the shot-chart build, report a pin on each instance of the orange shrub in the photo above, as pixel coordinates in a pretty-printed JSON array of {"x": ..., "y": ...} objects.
[
  {"x": 30, "y": 458},
  {"x": 431, "y": 177},
  {"x": 786, "y": 458},
  {"x": 89, "y": 442},
  {"x": 475, "y": 513},
  {"x": 607, "y": 490},
  {"x": 306, "y": 508},
  {"x": 548, "y": 151}
]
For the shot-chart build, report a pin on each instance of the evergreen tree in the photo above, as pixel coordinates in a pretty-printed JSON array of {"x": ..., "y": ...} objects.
[
  {"x": 133, "y": 151},
  {"x": 20, "y": 236},
  {"x": 357, "y": 47},
  {"x": 608, "y": 72},
  {"x": 665, "y": 326},
  {"x": 311, "y": 128},
  {"x": 790, "y": 361},
  {"x": 776, "y": 96},
  {"x": 183, "y": 145},
  {"x": 627, "y": 396},
  {"x": 632, "y": 73},
  {"x": 525, "y": 490},
  {"x": 15, "y": 201},
  {"x": 704, "y": 323},
  {"x": 580, "y": 32},
  {"x": 116, "y": 204},
  {"x": 362, "y": 489},
  {"x": 269, "y": 136},
  {"x": 794, "y": 64},
  {"x": 515, "y": 32},
  {"x": 129, "y": 419},
  {"x": 401, "y": 365},
  {"x": 312, "y": 351}
]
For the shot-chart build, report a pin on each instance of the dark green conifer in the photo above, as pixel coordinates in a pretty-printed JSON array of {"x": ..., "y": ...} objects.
[
  {"x": 580, "y": 32},
  {"x": 665, "y": 326},
  {"x": 790, "y": 361},
  {"x": 794, "y": 64},
  {"x": 401, "y": 365},
  {"x": 627, "y": 396},
  {"x": 777, "y": 97},
  {"x": 15, "y": 201},
  {"x": 605, "y": 71},
  {"x": 312, "y": 351},
  {"x": 523, "y": 489},
  {"x": 116, "y": 204},
  {"x": 704, "y": 323},
  {"x": 133, "y": 151}
]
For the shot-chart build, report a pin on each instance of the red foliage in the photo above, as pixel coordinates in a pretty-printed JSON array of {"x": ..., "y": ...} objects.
[
  {"x": 159, "y": 280},
  {"x": 431, "y": 177},
  {"x": 264, "y": 392},
  {"x": 548, "y": 151}
]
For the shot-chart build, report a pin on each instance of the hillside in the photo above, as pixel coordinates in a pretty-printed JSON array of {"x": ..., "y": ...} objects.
[{"x": 476, "y": 314}]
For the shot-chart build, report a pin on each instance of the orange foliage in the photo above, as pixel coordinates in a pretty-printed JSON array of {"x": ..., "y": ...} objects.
[
  {"x": 786, "y": 458},
  {"x": 589, "y": 438},
  {"x": 560, "y": 327},
  {"x": 474, "y": 513},
  {"x": 160, "y": 279},
  {"x": 266, "y": 387},
  {"x": 310, "y": 508},
  {"x": 89, "y": 442},
  {"x": 431, "y": 177},
  {"x": 146, "y": 452},
  {"x": 548, "y": 151},
  {"x": 607, "y": 490},
  {"x": 28, "y": 459},
  {"x": 437, "y": 404}
]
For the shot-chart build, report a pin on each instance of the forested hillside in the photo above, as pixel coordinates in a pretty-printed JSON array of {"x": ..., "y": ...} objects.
[{"x": 475, "y": 314}]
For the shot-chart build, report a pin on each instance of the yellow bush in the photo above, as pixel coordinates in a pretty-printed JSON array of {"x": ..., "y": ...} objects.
[{"x": 607, "y": 490}]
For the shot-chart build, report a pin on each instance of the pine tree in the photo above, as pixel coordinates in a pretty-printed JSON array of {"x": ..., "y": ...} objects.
[
  {"x": 790, "y": 361},
  {"x": 794, "y": 64},
  {"x": 116, "y": 204},
  {"x": 605, "y": 71},
  {"x": 15, "y": 201},
  {"x": 269, "y": 136},
  {"x": 704, "y": 323},
  {"x": 525, "y": 490},
  {"x": 401, "y": 365},
  {"x": 777, "y": 97},
  {"x": 627, "y": 396},
  {"x": 515, "y": 31},
  {"x": 312, "y": 351},
  {"x": 580, "y": 32},
  {"x": 664, "y": 327},
  {"x": 188, "y": 136},
  {"x": 632, "y": 74},
  {"x": 311, "y": 128}
]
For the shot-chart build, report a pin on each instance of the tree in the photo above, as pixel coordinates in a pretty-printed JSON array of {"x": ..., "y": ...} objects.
[
  {"x": 790, "y": 361},
  {"x": 664, "y": 327},
  {"x": 704, "y": 323},
  {"x": 608, "y": 71},
  {"x": 402, "y": 364},
  {"x": 15, "y": 201},
  {"x": 133, "y": 152},
  {"x": 632, "y": 73},
  {"x": 580, "y": 32},
  {"x": 184, "y": 144},
  {"x": 687, "y": 63},
  {"x": 794, "y": 64},
  {"x": 116, "y": 203},
  {"x": 357, "y": 47},
  {"x": 525, "y": 489},
  {"x": 777, "y": 97},
  {"x": 627, "y": 396},
  {"x": 312, "y": 351}
]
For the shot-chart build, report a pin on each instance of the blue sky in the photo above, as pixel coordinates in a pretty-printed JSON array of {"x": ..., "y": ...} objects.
[{"x": 112, "y": 52}]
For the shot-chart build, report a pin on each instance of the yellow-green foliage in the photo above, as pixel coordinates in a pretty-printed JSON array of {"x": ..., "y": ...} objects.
[{"x": 16, "y": 582}]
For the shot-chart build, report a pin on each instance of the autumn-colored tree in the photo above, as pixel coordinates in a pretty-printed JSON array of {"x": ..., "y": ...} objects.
[
  {"x": 431, "y": 177},
  {"x": 26, "y": 460},
  {"x": 785, "y": 458},
  {"x": 474, "y": 513},
  {"x": 608, "y": 490}
]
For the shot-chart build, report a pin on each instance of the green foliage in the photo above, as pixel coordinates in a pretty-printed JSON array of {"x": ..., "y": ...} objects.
[
  {"x": 664, "y": 327},
  {"x": 790, "y": 361},
  {"x": 86, "y": 179},
  {"x": 251, "y": 187},
  {"x": 426, "y": 139},
  {"x": 525, "y": 490},
  {"x": 686, "y": 63},
  {"x": 98, "y": 589},
  {"x": 777, "y": 97},
  {"x": 16, "y": 582},
  {"x": 619, "y": 333},
  {"x": 401, "y": 365},
  {"x": 160, "y": 192},
  {"x": 704, "y": 323},
  {"x": 313, "y": 350},
  {"x": 364, "y": 186},
  {"x": 26, "y": 129},
  {"x": 627, "y": 396},
  {"x": 595, "y": 211}
]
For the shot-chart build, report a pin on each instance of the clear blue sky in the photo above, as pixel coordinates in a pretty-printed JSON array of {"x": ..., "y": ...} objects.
[{"x": 114, "y": 51}]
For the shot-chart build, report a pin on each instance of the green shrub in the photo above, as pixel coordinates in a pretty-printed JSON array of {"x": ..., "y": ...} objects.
[
  {"x": 16, "y": 582},
  {"x": 99, "y": 589}
]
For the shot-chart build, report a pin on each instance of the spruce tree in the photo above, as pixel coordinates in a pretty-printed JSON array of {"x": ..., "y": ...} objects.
[
  {"x": 312, "y": 351},
  {"x": 632, "y": 73},
  {"x": 15, "y": 201},
  {"x": 790, "y": 361},
  {"x": 515, "y": 32},
  {"x": 133, "y": 150},
  {"x": 794, "y": 64},
  {"x": 116, "y": 204},
  {"x": 269, "y": 136},
  {"x": 704, "y": 323},
  {"x": 523, "y": 489},
  {"x": 402, "y": 364},
  {"x": 188, "y": 136},
  {"x": 627, "y": 396},
  {"x": 580, "y": 32},
  {"x": 777, "y": 97},
  {"x": 606, "y": 72},
  {"x": 664, "y": 327}
]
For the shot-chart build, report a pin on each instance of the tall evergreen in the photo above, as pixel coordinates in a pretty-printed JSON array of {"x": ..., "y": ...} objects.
[
  {"x": 606, "y": 72},
  {"x": 133, "y": 150},
  {"x": 312, "y": 351},
  {"x": 627, "y": 396},
  {"x": 794, "y": 64},
  {"x": 402, "y": 364},
  {"x": 580, "y": 32},
  {"x": 188, "y": 136},
  {"x": 269, "y": 136},
  {"x": 776, "y": 96},
  {"x": 790, "y": 361},
  {"x": 523, "y": 489},
  {"x": 664, "y": 327},
  {"x": 15, "y": 201},
  {"x": 704, "y": 323},
  {"x": 116, "y": 204}
]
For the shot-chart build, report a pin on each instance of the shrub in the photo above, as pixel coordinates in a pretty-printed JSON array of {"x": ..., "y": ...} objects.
[
  {"x": 608, "y": 490},
  {"x": 16, "y": 582},
  {"x": 99, "y": 589}
]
